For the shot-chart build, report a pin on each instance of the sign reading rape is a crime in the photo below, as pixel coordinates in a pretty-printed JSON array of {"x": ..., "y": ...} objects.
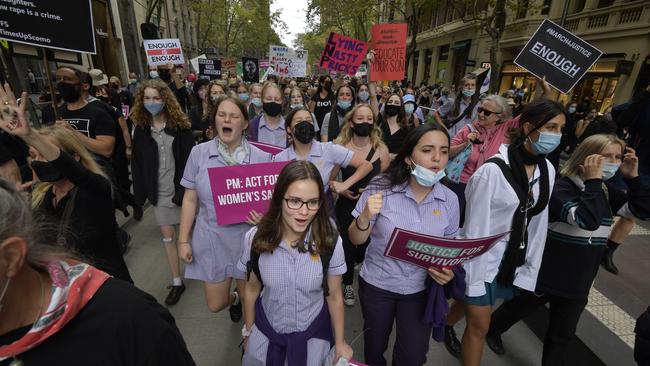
[
  {"x": 343, "y": 54},
  {"x": 557, "y": 54},
  {"x": 163, "y": 51},
  {"x": 237, "y": 190}
]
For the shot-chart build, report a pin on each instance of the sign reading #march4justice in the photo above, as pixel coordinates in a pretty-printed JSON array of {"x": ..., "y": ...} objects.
[
  {"x": 557, "y": 54},
  {"x": 45, "y": 23}
]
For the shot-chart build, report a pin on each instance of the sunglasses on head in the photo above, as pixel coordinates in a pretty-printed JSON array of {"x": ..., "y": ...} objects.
[{"x": 485, "y": 111}]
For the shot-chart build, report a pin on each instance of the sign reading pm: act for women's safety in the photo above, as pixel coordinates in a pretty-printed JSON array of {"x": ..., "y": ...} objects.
[{"x": 557, "y": 54}]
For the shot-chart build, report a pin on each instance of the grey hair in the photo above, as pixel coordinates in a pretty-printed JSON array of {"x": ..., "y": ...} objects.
[
  {"x": 506, "y": 110},
  {"x": 16, "y": 220}
]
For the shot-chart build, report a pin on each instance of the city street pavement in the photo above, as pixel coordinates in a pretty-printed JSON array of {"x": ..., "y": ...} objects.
[{"x": 213, "y": 338}]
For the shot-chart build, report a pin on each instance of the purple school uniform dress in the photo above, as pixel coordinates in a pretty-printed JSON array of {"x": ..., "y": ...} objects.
[
  {"x": 292, "y": 296},
  {"x": 324, "y": 155},
  {"x": 273, "y": 136},
  {"x": 216, "y": 249}
]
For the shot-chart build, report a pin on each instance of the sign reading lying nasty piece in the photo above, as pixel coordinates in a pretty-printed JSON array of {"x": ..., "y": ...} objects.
[
  {"x": 163, "y": 51},
  {"x": 389, "y": 44},
  {"x": 431, "y": 251},
  {"x": 47, "y": 23},
  {"x": 237, "y": 190},
  {"x": 343, "y": 54},
  {"x": 557, "y": 54}
]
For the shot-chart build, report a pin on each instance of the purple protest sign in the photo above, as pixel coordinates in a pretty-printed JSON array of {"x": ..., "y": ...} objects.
[
  {"x": 431, "y": 251},
  {"x": 239, "y": 189},
  {"x": 271, "y": 149}
]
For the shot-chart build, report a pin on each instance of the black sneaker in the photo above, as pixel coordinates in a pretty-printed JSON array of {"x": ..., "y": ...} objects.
[
  {"x": 451, "y": 341},
  {"x": 137, "y": 212},
  {"x": 174, "y": 294},
  {"x": 494, "y": 342},
  {"x": 236, "y": 310}
]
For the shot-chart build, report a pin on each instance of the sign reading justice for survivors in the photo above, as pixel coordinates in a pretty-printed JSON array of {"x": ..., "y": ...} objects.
[
  {"x": 237, "y": 190},
  {"x": 343, "y": 54},
  {"x": 557, "y": 54}
]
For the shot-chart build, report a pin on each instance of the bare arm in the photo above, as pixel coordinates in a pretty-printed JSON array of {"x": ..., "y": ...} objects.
[
  {"x": 252, "y": 292},
  {"x": 126, "y": 135},
  {"x": 188, "y": 213},
  {"x": 337, "y": 314}
]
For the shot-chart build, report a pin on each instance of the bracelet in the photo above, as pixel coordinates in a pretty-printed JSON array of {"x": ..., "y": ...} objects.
[
  {"x": 245, "y": 332},
  {"x": 356, "y": 223}
]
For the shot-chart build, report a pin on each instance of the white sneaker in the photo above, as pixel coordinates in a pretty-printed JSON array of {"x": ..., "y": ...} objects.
[{"x": 348, "y": 295}]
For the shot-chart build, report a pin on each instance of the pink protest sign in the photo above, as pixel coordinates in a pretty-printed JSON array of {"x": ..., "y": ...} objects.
[
  {"x": 271, "y": 149},
  {"x": 343, "y": 54},
  {"x": 239, "y": 189},
  {"x": 431, "y": 251}
]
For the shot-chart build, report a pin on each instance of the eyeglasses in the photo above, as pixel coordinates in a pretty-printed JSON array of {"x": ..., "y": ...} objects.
[
  {"x": 485, "y": 111},
  {"x": 297, "y": 203}
]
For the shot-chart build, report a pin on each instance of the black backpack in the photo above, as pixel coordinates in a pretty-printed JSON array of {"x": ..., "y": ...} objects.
[{"x": 253, "y": 264}]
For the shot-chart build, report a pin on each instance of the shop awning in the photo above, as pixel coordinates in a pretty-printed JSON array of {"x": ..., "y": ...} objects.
[{"x": 459, "y": 45}]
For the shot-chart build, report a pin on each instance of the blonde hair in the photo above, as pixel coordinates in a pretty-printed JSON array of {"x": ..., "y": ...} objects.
[
  {"x": 268, "y": 86},
  {"x": 346, "y": 133},
  {"x": 141, "y": 117},
  {"x": 67, "y": 141},
  {"x": 591, "y": 145}
]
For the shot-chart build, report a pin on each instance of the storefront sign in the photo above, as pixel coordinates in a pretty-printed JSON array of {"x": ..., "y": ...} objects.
[
  {"x": 163, "y": 51},
  {"x": 389, "y": 44},
  {"x": 343, "y": 54},
  {"x": 430, "y": 251},
  {"x": 209, "y": 68},
  {"x": 557, "y": 54},
  {"x": 486, "y": 65},
  {"x": 239, "y": 189},
  {"x": 47, "y": 23}
]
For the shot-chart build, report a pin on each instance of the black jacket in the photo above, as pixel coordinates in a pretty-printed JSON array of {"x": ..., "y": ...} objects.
[{"x": 144, "y": 163}]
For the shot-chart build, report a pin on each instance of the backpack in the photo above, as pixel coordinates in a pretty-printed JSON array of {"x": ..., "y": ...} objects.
[{"x": 253, "y": 264}]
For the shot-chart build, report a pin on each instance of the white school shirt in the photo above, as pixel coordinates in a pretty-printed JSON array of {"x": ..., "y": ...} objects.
[{"x": 491, "y": 203}]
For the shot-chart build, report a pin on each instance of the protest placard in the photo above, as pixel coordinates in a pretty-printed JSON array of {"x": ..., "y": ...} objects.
[
  {"x": 47, "y": 23},
  {"x": 279, "y": 59},
  {"x": 343, "y": 54},
  {"x": 209, "y": 68},
  {"x": 163, "y": 51},
  {"x": 557, "y": 54},
  {"x": 194, "y": 62},
  {"x": 430, "y": 251},
  {"x": 239, "y": 189},
  {"x": 389, "y": 44},
  {"x": 298, "y": 63},
  {"x": 229, "y": 65},
  {"x": 251, "y": 69},
  {"x": 271, "y": 149}
]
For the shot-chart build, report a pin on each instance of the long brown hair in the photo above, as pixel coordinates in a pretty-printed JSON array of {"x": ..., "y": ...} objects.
[
  {"x": 176, "y": 118},
  {"x": 269, "y": 233}
]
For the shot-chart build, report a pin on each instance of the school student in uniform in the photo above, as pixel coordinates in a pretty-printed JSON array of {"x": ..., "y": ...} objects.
[
  {"x": 509, "y": 193},
  {"x": 255, "y": 100},
  {"x": 212, "y": 251},
  {"x": 409, "y": 195},
  {"x": 296, "y": 254},
  {"x": 268, "y": 127},
  {"x": 362, "y": 135},
  {"x": 581, "y": 212},
  {"x": 393, "y": 123},
  {"x": 333, "y": 120}
]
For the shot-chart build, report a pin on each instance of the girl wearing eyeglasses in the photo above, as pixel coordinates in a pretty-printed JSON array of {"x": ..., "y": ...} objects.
[{"x": 296, "y": 254}]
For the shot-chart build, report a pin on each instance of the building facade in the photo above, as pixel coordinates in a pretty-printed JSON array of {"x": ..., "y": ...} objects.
[{"x": 447, "y": 47}]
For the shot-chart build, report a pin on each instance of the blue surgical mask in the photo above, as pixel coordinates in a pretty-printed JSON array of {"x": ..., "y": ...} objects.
[
  {"x": 546, "y": 143},
  {"x": 609, "y": 169},
  {"x": 572, "y": 110},
  {"x": 469, "y": 92},
  {"x": 153, "y": 107},
  {"x": 153, "y": 74},
  {"x": 257, "y": 102},
  {"x": 426, "y": 177},
  {"x": 296, "y": 106},
  {"x": 344, "y": 104},
  {"x": 243, "y": 97},
  {"x": 364, "y": 96},
  {"x": 409, "y": 108}
]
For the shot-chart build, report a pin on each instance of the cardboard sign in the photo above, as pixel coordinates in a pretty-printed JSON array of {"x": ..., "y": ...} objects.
[
  {"x": 46, "y": 23},
  {"x": 298, "y": 64},
  {"x": 209, "y": 68},
  {"x": 229, "y": 65},
  {"x": 250, "y": 70},
  {"x": 279, "y": 59},
  {"x": 389, "y": 44},
  {"x": 557, "y": 54},
  {"x": 343, "y": 54},
  {"x": 430, "y": 251},
  {"x": 239, "y": 189},
  {"x": 163, "y": 51}
]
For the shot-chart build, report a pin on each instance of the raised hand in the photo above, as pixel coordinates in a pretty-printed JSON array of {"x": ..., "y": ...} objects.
[{"x": 13, "y": 118}]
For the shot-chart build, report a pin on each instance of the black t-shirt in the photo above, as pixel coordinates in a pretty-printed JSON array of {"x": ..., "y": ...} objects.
[
  {"x": 92, "y": 120},
  {"x": 47, "y": 114},
  {"x": 120, "y": 325},
  {"x": 322, "y": 107}
]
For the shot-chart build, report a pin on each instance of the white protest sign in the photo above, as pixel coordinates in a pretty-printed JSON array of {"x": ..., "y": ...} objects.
[
  {"x": 195, "y": 62},
  {"x": 298, "y": 63},
  {"x": 163, "y": 51}
]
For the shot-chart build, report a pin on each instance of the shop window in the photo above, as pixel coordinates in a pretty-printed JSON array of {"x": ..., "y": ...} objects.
[
  {"x": 416, "y": 59},
  {"x": 427, "y": 64},
  {"x": 546, "y": 7}
]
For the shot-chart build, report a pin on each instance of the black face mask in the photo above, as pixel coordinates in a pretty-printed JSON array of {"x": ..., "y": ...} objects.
[
  {"x": 304, "y": 132},
  {"x": 69, "y": 92},
  {"x": 272, "y": 109},
  {"x": 362, "y": 129},
  {"x": 391, "y": 110},
  {"x": 46, "y": 172},
  {"x": 165, "y": 75}
]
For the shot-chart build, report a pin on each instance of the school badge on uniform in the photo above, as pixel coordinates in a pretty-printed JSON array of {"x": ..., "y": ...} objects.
[{"x": 437, "y": 212}]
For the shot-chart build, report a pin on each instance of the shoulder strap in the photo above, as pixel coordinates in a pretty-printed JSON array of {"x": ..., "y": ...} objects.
[
  {"x": 333, "y": 128},
  {"x": 467, "y": 110},
  {"x": 507, "y": 173},
  {"x": 253, "y": 265},
  {"x": 371, "y": 153},
  {"x": 325, "y": 258}
]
